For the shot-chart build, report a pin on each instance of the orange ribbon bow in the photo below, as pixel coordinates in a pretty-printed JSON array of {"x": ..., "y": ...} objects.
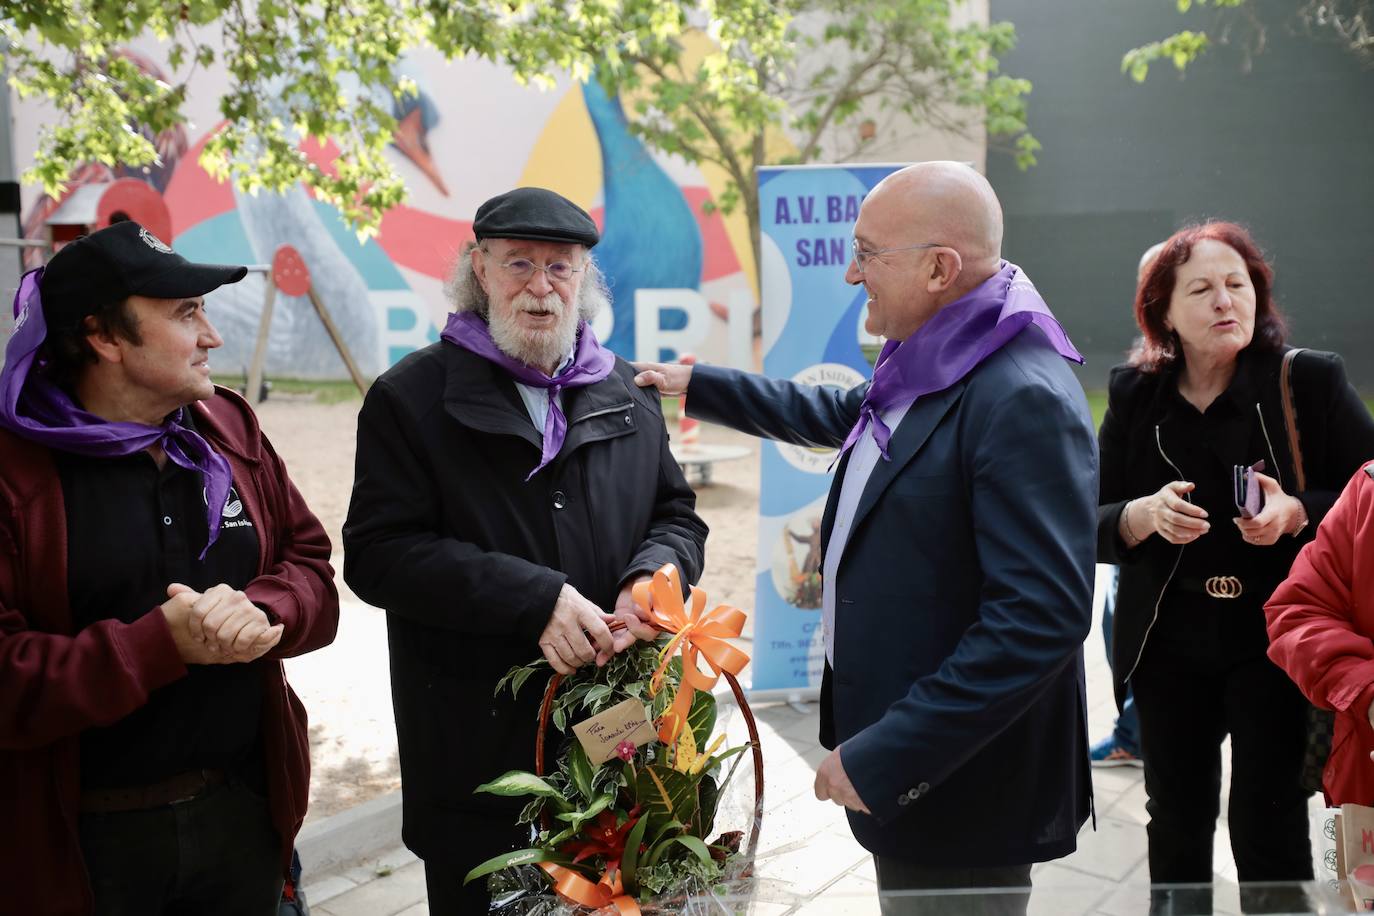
[
  {"x": 696, "y": 633},
  {"x": 609, "y": 891}
]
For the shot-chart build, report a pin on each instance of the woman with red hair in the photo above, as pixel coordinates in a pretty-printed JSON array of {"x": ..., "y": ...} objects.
[{"x": 1200, "y": 396}]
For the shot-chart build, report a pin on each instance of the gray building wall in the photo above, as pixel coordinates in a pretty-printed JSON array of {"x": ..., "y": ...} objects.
[
  {"x": 11, "y": 259},
  {"x": 1286, "y": 148}
]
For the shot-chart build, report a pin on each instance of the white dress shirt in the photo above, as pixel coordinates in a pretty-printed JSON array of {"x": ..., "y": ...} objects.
[{"x": 862, "y": 460}]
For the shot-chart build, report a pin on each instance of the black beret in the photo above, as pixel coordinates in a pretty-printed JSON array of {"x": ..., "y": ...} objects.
[{"x": 537, "y": 214}]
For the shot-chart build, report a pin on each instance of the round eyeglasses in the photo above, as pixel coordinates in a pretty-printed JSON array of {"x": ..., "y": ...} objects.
[
  {"x": 862, "y": 256},
  {"x": 524, "y": 268}
]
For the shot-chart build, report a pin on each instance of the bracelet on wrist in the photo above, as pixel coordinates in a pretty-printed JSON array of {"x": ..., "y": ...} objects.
[
  {"x": 1302, "y": 521},
  {"x": 1126, "y": 517}
]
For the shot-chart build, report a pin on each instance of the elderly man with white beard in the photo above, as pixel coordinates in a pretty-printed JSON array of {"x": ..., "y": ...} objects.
[{"x": 513, "y": 483}]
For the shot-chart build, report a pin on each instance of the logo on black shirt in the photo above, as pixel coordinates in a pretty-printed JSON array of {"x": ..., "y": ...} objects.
[{"x": 233, "y": 509}]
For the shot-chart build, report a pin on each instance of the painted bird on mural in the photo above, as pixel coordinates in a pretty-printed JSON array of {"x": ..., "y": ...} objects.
[
  {"x": 651, "y": 239},
  {"x": 416, "y": 115},
  {"x": 344, "y": 271}
]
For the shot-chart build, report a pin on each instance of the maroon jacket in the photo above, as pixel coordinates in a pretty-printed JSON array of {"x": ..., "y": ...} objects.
[{"x": 55, "y": 683}]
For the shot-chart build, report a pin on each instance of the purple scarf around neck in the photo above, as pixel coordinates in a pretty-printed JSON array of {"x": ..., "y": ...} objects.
[
  {"x": 33, "y": 407},
  {"x": 591, "y": 363},
  {"x": 951, "y": 345}
]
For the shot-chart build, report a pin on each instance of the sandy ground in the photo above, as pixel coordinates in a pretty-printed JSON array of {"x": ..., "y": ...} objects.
[{"x": 345, "y": 687}]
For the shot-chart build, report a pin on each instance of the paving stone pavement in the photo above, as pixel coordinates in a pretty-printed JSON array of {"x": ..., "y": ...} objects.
[{"x": 810, "y": 864}]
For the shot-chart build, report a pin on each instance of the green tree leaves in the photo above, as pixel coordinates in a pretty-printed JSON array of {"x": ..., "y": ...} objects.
[
  {"x": 717, "y": 82},
  {"x": 1182, "y": 48},
  {"x": 1347, "y": 22},
  {"x": 802, "y": 73}
]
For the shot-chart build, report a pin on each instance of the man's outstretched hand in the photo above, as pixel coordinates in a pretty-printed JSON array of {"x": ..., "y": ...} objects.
[{"x": 671, "y": 380}]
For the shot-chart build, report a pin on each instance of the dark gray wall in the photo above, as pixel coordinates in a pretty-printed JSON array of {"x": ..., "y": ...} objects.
[{"x": 1286, "y": 148}]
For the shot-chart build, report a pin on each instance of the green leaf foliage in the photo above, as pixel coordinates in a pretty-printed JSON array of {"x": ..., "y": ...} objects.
[
  {"x": 516, "y": 677},
  {"x": 691, "y": 843},
  {"x": 575, "y": 819},
  {"x": 1245, "y": 24},
  {"x": 677, "y": 865},
  {"x": 814, "y": 71},
  {"x": 833, "y": 77},
  {"x": 518, "y": 857},
  {"x": 629, "y": 862},
  {"x": 518, "y": 782},
  {"x": 1181, "y": 49},
  {"x": 580, "y": 769},
  {"x": 708, "y": 798},
  {"x": 676, "y": 800},
  {"x": 701, "y": 718}
]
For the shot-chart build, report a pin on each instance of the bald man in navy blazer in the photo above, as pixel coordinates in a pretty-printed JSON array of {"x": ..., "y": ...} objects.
[{"x": 959, "y": 565}]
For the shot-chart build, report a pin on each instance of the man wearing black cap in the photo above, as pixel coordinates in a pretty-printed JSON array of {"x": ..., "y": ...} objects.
[
  {"x": 512, "y": 485},
  {"x": 155, "y": 563}
]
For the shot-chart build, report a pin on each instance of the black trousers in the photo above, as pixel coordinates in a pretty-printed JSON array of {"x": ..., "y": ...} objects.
[
  {"x": 473, "y": 840},
  {"x": 215, "y": 855},
  {"x": 1204, "y": 675},
  {"x": 895, "y": 875}
]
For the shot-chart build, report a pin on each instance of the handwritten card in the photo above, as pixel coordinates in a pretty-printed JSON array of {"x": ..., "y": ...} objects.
[{"x": 602, "y": 733}]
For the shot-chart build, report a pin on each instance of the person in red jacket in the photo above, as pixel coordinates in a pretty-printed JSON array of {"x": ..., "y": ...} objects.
[
  {"x": 156, "y": 562},
  {"x": 1321, "y": 631}
]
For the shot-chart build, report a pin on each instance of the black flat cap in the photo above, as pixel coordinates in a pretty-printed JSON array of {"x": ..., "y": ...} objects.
[
  {"x": 117, "y": 262},
  {"x": 537, "y": 214}
]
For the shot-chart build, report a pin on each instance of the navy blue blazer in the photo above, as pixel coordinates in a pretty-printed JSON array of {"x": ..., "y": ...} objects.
[{"x": 964, "y": 596}]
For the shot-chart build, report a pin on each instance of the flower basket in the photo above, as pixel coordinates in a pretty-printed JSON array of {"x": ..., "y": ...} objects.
[{"x": 635, "y": 832}]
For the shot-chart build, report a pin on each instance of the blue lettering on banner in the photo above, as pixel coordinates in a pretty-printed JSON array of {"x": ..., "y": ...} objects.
[
  {"x": 822, "y": 252},
  {"x": 842, "y": 209},
  {"x": 838, "y": 209}
]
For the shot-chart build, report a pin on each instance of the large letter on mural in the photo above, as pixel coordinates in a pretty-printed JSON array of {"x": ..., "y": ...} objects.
[
  {"x": 408, "y": 325},
  {"x": 651, "y": 339}
]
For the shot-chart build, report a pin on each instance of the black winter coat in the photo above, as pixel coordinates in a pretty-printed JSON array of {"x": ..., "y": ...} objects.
[
  {"x": 468, "y": 558},
  {"x": 1336, "y": 435}
]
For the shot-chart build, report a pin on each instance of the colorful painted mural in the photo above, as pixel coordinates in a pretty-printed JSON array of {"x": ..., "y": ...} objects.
[{"x": 471, "y": 133}]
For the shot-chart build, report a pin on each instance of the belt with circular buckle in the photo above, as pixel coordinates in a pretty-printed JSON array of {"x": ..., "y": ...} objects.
[
  {"x": 1223, "y": 587},
  {"x": 1220, "y": 587}
]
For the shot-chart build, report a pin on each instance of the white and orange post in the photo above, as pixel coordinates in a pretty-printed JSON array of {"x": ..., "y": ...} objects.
[{"x": 688, "y": 430}]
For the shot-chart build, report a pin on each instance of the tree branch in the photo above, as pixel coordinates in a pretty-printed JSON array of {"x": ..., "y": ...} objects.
[
  {"x": 841, "y": 96},
  {"x": 708, "y": 123}
]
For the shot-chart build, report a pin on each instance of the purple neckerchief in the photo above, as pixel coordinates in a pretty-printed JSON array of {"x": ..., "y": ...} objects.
[
  {"x": 591, "y": 363},
  {"x": 952, "y": 343},
  {"x": 33, "y": 407}
]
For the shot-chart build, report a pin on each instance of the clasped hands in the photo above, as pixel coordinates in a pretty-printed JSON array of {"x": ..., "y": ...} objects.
[
  {"x": 219, "y": 626},
  {"x": 578, "y": 632},
  {"x": 1178, "y": 521}
]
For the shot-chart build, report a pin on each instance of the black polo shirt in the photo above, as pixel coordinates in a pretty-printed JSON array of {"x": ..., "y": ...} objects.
[{"x": 132, "y": 529}]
